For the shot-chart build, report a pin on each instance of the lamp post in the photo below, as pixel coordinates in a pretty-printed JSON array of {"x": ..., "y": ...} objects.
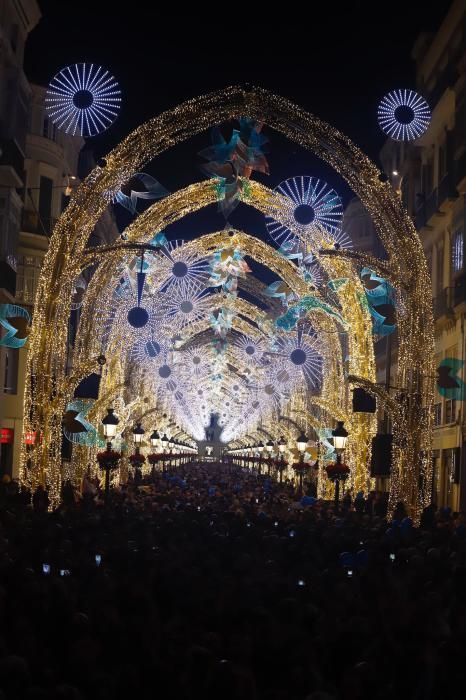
[
  {"x": 281, "y": 464},
  {"x": 339, "y": 472},
  {"x": 164, "y": 442},
  {"x": 260, "y": 449},
  {"x": 155, "y": 443},
  {"x": 301, "y": 444},
  {"x": 137, "y": 459},
  {"x": 269, "y": 447},
  {"x": 110, "y": 423}
]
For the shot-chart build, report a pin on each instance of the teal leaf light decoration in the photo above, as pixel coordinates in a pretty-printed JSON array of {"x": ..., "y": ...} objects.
[{"x": 11, "y": 311}]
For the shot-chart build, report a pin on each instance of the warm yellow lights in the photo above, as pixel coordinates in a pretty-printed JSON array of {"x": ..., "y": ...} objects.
[{"x": 49, "y": 385}]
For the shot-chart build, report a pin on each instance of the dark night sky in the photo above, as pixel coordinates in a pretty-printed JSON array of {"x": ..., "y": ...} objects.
[{"x": 337, "y": 63}]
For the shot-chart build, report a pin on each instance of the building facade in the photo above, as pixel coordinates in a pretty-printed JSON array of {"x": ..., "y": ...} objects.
[
  {"x": 430, "y": 176},
  {"x": 39, "y": 168}
]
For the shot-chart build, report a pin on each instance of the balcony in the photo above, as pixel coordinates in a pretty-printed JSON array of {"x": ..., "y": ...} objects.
[
  {"x": 460, "y": 174},
  {"x": 12, "y": 158},
  {"x": 446, "y": 190},
  {"x": 450, "y": 297},
  {"x": 442, "y": 303},
  {"x": 32, "y": 223},
  {"x": 420, "y": 218}
]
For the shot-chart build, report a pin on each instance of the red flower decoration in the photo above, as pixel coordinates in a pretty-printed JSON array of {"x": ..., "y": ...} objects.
[
  {"x": 137, "y": 459},
  {"x": 338, "y": 470},
  {"x": 108, "y": 458}
]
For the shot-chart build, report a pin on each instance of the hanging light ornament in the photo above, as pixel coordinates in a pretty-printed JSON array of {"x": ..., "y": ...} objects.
[
  {"x": 403, "y": 115},
  {"x": 83, "y": 99},
  {"x": 313, "y": 206}
]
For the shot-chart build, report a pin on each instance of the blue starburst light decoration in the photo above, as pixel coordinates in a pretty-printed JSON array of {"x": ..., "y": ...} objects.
[
  {"x": 83, "y": 99},
  {"x": 312, "y": 204},
  {"x": 403, "y": 115}
]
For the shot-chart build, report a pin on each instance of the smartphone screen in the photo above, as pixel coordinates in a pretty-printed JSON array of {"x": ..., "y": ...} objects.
[
  {"x": 45, "y": 568},
  {"x": 98, "y": 559}
]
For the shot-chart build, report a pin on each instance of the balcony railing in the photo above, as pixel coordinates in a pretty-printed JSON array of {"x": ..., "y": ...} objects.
[
  {"x": 446, "y": 189},
  {"x": 31, "y": 222},
  {"x": 460, "y": 169},
  {"x": 449, "y": 297}
]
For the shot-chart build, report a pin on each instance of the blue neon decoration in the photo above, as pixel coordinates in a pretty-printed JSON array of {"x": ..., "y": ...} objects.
[
  {"x": 449, "y": 384},
  {"x": 12, "y": 311},
  {"x": 311, "y": 203},
  {"x": 403, "y": 115},
  {"x": 151, "y": 189},
  {"x": 380, "y": 296},
  {"x": 83, "y": 99},
  {"x": 77, "y": 429}
]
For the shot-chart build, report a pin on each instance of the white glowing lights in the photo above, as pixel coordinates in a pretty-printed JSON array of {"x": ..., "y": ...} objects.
[
  {"x": 403, "y": 115},
  {"x": 179, "y": 268},
  {"x": 298, "y": 355},
  {"x": 83, "y": 99},
  {"x": 182, "y": 306},
  {"x": 313, "y": 204}
]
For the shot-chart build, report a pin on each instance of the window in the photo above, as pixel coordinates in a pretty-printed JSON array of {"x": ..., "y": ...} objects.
[
  {"x": 442, "y": 161},
  {"x": 427, "y": 178},
  {"x": 45, "y": 202},
  {"x": 27, "y": 279},
  {"x": 437, "y": 414},
  {"x": 439, "y": 269},
  {"x": 457, "y": 254},
  {"x": 450, "y": 411},
  {"x": 10, "y": 373},
  {"x": 45, "y": 128}
]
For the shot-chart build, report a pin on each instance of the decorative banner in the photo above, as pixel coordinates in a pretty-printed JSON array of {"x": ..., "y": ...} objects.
[
  {"x": 21, "y": 319},
  {"x": 76, "y": 428},
  {"x": 221, "y": 321},
  {"x": 294, "y": 313},
  {"x": 280, "y": 290},
  {"x": 449, "y": 384},
  {"x": 140, "y": 186},
  {"x": 226, "y": 266},
  {"x": 235, "y": 159},
  {"x": 381, "y": 302}
]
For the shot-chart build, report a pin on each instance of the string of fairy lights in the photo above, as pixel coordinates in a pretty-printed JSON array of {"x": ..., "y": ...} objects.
[{"x": 49, "y": 389}]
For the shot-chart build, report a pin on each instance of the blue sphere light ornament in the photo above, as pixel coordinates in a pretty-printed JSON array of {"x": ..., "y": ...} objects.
[
  {"x": 83, "y": 99},
  {"x": 312, "y": 203},
  {"x": 403, "y": 115},
  {"x": 138, "y": 317}
]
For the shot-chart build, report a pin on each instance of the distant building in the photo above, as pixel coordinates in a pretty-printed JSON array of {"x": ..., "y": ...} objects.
[
  {"x": 430, "y": 176},
  {"x": 39, "y": 168}
]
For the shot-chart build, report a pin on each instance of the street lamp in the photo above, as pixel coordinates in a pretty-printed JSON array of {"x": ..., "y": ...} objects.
[
  {"x": 110, "y": 423},
  {"x": 260, "y": 449},
  {"x": 164, "y": 442},
  {"x": 269, "y": 447},
  {"x": 138, "y": 432},
  {"x": 340, "y": 437},
  {"x": 281, "y": 464},
  {"x": 338, "y": 471},
  {"x": 155, "y": 440},
  {"x": 301, "y": 444}
]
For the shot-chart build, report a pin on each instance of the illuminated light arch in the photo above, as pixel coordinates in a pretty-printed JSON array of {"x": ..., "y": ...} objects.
[{"x": 412, "y": 431}]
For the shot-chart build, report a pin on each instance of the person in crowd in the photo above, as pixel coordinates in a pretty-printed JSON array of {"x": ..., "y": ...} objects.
[{"x": 214, "y": 582}]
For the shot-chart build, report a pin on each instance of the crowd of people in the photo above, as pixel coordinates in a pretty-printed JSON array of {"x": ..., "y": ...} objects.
[{"x": 211, "y": 582}]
